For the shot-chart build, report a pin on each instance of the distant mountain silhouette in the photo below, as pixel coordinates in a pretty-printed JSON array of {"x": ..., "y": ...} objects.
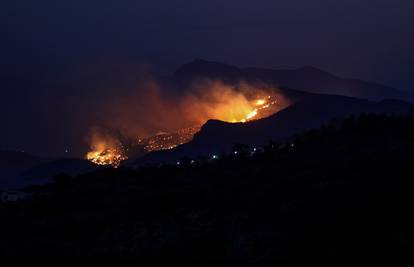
[
  {"x": 44, "y": 173},
  {"x": 16, "y": 158},
  {"x": 20, "y": 169},
  {"x": 12, "y": 163},
  {"x": 307, "y": 79},
  {"x": 217, "y": 137}
]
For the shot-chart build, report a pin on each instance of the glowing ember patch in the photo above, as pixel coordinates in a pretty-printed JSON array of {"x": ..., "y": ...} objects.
[
  {"x": 261, "y": 109},
  {"x": 167, "y": 141},
  {"x": 251, "y": 115},
  {"x": 106, "y": 157},
  {"x": 106, "y": 150},
  {"x": 260, "y": 102}
]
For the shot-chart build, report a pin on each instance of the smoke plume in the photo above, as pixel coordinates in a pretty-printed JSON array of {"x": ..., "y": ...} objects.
[{"x": 150, "y": 108}]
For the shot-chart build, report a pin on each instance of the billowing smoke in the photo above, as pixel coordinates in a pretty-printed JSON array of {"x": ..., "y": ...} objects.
[
  {"x": 106, "y": 149},
  {"x": 231, "y": 103},
  {"x": 151, "y": 109}
]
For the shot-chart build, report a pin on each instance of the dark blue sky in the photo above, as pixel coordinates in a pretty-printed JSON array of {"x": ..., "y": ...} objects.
[
  {"x": 372, "y": 40},
  {"x": 367, "y": 39}
]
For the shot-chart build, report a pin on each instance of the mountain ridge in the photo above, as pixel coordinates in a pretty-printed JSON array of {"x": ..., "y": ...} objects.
[
  {"x": 216, "y": 137},
  {"x": 307, "y": 79}
]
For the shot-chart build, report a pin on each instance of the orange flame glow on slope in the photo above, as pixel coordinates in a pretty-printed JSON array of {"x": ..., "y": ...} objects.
[
  {"x": 166, "y": 141},
  {"x": 260, "y": 105},
  {"x": 106, "y": 150},
  {"x": 225, "y": 103},
  {"x": 211, "y": 101}
]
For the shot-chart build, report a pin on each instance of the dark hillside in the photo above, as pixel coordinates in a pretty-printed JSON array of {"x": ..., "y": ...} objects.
[{"x": 342, "y": 191}]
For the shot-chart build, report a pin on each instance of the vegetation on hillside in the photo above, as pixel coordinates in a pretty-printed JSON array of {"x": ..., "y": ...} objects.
[{"x": 345, "y": 189}]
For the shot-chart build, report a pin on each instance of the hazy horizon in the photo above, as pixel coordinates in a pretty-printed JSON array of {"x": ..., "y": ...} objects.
[{"x": 58, "y": 56}]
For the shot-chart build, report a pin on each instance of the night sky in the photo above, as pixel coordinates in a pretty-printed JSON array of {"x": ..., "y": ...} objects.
[{"x": 56, "y": 55}]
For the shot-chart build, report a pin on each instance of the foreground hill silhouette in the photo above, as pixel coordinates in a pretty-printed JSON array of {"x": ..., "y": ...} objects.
[
  {"x": 341, "y": 191},
  {"x": 307, "y": 79}
]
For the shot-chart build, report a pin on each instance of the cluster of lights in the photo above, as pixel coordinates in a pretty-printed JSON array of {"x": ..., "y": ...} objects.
[{"x": 252, "y": 152}]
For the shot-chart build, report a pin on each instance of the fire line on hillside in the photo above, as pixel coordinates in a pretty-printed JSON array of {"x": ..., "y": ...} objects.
[{"x": 113, "y": 154}]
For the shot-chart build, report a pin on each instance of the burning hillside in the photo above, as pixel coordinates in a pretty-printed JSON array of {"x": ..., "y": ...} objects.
[
  {"x": 218, "y": 102},
  {"x": 163, "y": 141},
  {"x": 106, "y": 150}
]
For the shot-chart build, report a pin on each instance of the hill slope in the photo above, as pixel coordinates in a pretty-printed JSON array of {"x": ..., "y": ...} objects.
[
  {"x": 217, "y": 137},
  {"x": 342, "y": 192}
]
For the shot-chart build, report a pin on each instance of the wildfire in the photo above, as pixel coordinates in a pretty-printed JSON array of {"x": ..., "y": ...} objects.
[
  {"x": 261, "y": 105},
  {"x": 106, "y": 151},
  {"x": 235, "y": 108},
  {"x": 260, "y": 102},
  {"x": 106, "y": 157},
  {"x": 165, "y": 141}
]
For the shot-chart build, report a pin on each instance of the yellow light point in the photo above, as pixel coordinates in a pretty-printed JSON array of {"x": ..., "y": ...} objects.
[
  {"x": 251, "y": 114},
  {"x": 260, "y": 102}
]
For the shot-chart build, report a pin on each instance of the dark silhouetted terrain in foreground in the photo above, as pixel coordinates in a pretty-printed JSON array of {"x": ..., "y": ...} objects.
[{"x": 344, "y": 190}]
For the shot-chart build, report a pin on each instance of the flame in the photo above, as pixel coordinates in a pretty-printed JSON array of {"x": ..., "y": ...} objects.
[
  {"x": 231, "y": 107},
  {"x": 106, "y": 157},
  {"x": 166, "y": 141},
  {"x": 218, "y": 102},
  {"x": 250, "y": 111},
  {"x": 106, "y": 150},
  {"x": 260, "y": 102},
  {"x": 254, "y": 112},
  {"x": 251, "y": 115}
]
